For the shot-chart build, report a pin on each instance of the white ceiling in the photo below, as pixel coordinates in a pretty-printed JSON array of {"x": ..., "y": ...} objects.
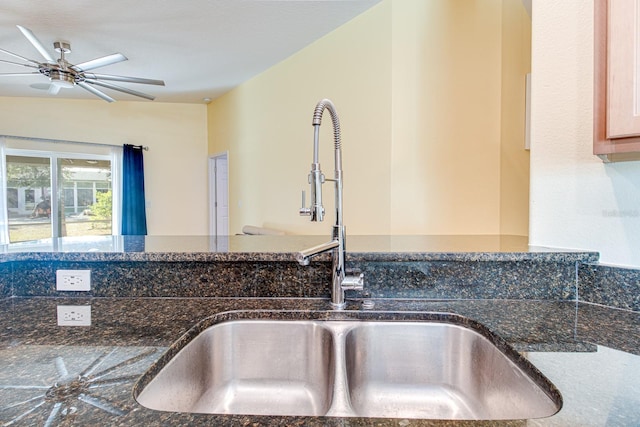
[{"x": 200, "y": 48}]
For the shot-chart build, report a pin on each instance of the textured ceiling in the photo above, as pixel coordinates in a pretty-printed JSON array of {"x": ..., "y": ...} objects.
[{"x": 200, "y": 48}]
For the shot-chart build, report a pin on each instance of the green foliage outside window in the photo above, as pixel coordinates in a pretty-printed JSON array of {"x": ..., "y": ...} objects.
[{"x": 102, "y": 207}]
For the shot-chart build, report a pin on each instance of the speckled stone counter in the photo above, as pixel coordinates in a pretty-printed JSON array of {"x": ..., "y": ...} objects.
[
  {"x": 283, "y": 248},
  {"x": 591, "y": 353},
  {"x": 611, "y": 286},
  {"x": 148, "y": 292},
  {"x": 263, "y": 266}
]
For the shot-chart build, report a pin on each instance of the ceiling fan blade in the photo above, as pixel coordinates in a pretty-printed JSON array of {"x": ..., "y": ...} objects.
[
  {"x": 18, "y": 74},
  {"x": 15, "y": 55},
  {"x": 125, "y": 79},
  {"x": 100, "y": 62},
  {"x": 17, "y": 63},
  {"x": 95, "y": 91},
  {"x": 53, "y": 89},
  {"x": 121, "y": 89},
  {"x": 36, "y": 43}
]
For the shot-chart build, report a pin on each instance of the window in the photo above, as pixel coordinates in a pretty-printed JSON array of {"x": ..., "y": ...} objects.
[
  {"x": 53, "y": 194},
  {"x": 29, "y": 196},
  {"x": 12, "y": 198},
  {"x": 30, "y": 176}
]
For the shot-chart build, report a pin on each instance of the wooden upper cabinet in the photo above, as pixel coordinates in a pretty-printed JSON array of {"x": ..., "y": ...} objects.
[{"x": 617, "y": 80}]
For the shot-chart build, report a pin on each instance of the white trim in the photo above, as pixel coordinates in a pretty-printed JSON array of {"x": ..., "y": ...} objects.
[
  {"x": 4, "y": 215},
  {"x": 116, "y": 191},
  {"x": 213, "y": 196},
  {"x": 527, "y": 112},
  {"x": 53, "y": 197}
]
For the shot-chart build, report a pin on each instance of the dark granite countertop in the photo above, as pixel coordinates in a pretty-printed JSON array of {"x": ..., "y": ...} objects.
[
  {"x": 283, "y": 248},
  {"x": 590, "y": 352},
  {"x": 52, "y": 375}
]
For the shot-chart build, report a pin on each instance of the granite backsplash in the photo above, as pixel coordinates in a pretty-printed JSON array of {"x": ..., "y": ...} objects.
[
  {"x": 433, "y": 279},
  {"x": 176, "y": 279},
  {"x": 611, "y": 286},
  {"x": 518, "y": 275},
  {"x": 524, "y": 279},
  {"x": 5, "y": 280}
]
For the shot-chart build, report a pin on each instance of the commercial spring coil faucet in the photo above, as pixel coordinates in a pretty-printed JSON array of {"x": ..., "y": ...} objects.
[{"x": 340, "y": 280}]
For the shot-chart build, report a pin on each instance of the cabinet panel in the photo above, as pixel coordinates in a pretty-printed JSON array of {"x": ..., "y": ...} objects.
[
  {"x": 616, "y": 81},
  {"x": 623, "y": 113}
]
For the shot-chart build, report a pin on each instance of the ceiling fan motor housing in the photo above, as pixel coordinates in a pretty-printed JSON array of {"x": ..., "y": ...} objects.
[{"x": 61, "y": 78}]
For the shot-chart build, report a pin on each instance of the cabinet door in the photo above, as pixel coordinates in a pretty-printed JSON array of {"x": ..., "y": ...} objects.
[
  {"x": 623, "y": 91},
  {"x": 617, "y": 80}
]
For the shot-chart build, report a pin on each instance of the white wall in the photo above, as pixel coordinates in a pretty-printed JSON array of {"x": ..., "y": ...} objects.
[
  {"x": 577, "y": 201},
  {"x": 175, "y": 165}
]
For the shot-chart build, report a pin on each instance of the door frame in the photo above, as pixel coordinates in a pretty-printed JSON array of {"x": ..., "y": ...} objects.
[{"x": 214, "y": 197}]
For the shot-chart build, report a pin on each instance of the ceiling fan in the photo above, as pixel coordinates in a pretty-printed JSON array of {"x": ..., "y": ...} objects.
[{"x": 63, "y": 74}]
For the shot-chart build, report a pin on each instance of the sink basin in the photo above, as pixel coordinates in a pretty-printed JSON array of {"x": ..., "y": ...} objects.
[
  {"x": 249, "y": 367},
  {"x": 348, "y": 364},
  {"x": 437, "y": 370}
]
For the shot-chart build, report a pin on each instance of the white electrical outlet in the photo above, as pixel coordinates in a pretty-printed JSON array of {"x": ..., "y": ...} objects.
[
  {"x": 73, "y": 280},
  {"x": 74, "y": 315}
]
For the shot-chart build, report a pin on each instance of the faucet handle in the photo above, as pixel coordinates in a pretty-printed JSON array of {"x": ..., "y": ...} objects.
[
  {"x": 353, "y": 282},
  {"x": 304, "y": 211}
]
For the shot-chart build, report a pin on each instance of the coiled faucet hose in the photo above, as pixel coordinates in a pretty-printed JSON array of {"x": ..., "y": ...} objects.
[{"x": 317, "y": 120}]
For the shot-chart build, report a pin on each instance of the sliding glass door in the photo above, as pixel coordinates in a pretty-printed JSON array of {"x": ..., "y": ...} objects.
[
  {"x": 85, "y": 197},
  {"x": 58, "y": 195},
  {"x": 28, "y": 197}
]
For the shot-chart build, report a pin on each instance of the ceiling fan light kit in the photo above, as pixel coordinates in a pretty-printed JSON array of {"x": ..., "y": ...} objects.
[
  {"x": 63, "y": 74},
  {"x": 61, "y": 79}
]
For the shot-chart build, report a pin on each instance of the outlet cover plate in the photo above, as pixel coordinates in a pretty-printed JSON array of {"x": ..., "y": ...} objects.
[
  {"x": 73, "y": 280},
  {"x": 74, "y": 315}
]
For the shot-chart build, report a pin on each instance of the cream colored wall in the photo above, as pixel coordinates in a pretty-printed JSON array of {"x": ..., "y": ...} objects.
[
  {"x": 577, "y": 201},
  {"x": 175, "y": 165},
  {"x": 446, "y": 117},
  {"x": 418, "y": 88},
  {"x": 265, "y": 124},
  {"x": 514, "y": 159}
]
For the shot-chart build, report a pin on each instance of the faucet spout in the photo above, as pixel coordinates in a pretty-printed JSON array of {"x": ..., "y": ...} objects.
[
  {"x": 341, "y": 281},
  {"x": 304, "y": 257}
]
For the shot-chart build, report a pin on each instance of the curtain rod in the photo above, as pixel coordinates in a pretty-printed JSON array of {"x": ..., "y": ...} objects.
[{"x": 62, "y": 141}]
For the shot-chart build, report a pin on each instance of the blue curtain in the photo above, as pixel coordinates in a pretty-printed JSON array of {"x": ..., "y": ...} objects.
[{"x": 134, "y": 216}]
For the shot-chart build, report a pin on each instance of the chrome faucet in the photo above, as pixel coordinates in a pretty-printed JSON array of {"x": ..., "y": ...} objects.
[{"x": 340, "y": 281}]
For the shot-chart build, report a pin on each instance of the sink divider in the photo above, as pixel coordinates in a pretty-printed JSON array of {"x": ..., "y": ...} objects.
[{"x": 341, "y": 404}]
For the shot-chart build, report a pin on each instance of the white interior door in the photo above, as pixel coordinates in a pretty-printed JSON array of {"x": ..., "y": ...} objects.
[{"x": 219, "y": 195}]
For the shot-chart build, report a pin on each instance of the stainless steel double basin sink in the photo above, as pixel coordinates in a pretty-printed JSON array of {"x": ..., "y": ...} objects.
[{"x": 430, "y": 366}]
